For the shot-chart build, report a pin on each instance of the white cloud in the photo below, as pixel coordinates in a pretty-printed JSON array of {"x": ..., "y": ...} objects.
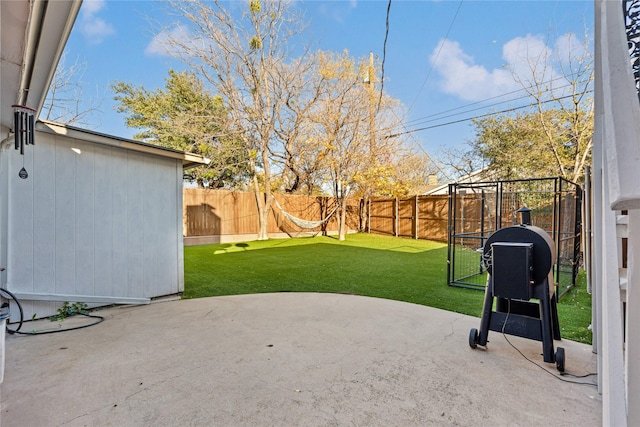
[
  {"x": 570, "y": 48},
  {"x": 94, "y": 28},
  {"x": 528, "y": 59},
  {"x": 461, "y": 76},
  {"x": 338, "y": 11},
  {"x": 159, "y": 45},
  {"x": 97, "y": 30},
  {"x": 169, "y": 43},
  {"x": 91, "y": 7}
]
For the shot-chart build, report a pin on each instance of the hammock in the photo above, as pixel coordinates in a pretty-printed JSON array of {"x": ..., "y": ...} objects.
[{"x": 303, "y": 223}]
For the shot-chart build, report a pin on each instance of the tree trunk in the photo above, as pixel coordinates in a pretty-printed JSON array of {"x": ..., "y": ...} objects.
[
  {"x": 264, "y": 207},
  {"x": 263, "y": 233},
  {"x": 364, "y": 210},
  {"x": 263, "y": 203},
  {"x": 342, "y": 222},
  {"x": 262, "y": 224}
]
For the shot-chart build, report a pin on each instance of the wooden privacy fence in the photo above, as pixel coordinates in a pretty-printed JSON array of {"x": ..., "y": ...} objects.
[
  {"x": 215, "y": 216},
  {"x": 418, "y": 217},
  {"x": 218, "y": 216}
]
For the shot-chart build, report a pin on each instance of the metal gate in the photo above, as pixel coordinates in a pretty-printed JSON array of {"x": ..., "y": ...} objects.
[{"x": 477, "y": 210}]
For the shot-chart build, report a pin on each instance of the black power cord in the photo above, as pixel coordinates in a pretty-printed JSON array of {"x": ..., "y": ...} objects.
[{"x": 540, "y": 366}]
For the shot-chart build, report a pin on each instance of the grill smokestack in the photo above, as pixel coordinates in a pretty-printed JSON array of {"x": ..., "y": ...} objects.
[{"x": 526, "y": 215}]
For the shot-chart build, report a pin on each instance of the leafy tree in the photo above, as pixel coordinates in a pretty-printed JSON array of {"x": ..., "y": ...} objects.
[
  {"x": 395, "y": 166},
  {"x": 304, "y": 155},
  {"x": 554, "y": 137},
  {"x": 519, "y": 146},
  {"x": 341, "y": 128},
  {"x": 351, "y": 153},
  {"x": 185, "y": 116},
  {"x": 411, "y": 172},
  {"x": 348, "y": 139},
  {"x": 512, "y": 144}
]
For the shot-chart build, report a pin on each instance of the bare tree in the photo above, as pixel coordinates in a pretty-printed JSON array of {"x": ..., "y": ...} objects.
[
  {"x": 242, "y": 55},
  {"x": 301, "y": 156},
  {"x": 557, "y": 133},
  {"x": 66, "y": 101}
]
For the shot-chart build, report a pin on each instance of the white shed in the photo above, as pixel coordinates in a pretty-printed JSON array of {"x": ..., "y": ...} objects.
[{"x": 98, "y": 219}]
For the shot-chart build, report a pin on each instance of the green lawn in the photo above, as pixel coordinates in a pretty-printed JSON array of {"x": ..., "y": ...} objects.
[{"x": 371, "y": 265}]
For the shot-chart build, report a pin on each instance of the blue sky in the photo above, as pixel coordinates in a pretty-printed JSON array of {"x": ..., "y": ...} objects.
[{"x": 440, "y": 55}]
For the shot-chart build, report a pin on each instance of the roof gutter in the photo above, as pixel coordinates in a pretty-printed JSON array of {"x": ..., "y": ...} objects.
[{"x": 33, "y": 38}]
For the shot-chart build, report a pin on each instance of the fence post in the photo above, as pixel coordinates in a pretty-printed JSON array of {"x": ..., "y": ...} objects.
[
  {"x": 396, "y": 214},
  {"x": 415, "y": 218},
  {"x": 369, "y": 217}
]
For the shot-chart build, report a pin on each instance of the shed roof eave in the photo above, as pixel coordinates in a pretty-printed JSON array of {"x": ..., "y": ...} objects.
[
  {"x": 33, "y": 37},
  {"x": 189, "y": 160}
]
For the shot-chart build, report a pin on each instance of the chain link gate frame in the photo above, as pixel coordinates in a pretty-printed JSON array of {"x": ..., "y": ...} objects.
[{"x": 477, "y": 210}]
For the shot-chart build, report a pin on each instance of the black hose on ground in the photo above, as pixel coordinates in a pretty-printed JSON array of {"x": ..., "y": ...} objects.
[
  {"x": 17, "y": 330},
  {"x": 13, "y": 297}
]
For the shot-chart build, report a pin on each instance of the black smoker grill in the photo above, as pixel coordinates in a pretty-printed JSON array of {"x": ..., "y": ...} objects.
[{"x": 519, "y": 263}]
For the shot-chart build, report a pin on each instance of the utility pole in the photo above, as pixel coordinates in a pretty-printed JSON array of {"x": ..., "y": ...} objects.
[
  {"x": 372, "y": 124},
  {"x": 365, "y": 217}
]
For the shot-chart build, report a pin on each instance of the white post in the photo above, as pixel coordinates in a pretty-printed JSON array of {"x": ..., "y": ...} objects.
[{"x": 632, "y": 348}]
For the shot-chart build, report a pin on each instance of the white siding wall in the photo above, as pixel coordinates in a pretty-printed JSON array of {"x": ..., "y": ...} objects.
[
  {"x": 616, "y": 156},
  {"x": 102, "y": 222},
  {"x": 4, "y": 205}
]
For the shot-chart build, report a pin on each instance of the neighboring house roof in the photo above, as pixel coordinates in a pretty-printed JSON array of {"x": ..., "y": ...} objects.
[
  {"x": 477, "y": 176},
  {"x": 33, "y": 34},
  {"x": 189, "y": 160}
]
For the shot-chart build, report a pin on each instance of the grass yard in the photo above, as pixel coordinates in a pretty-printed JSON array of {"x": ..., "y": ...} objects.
[{"x": 401, "y": 269}]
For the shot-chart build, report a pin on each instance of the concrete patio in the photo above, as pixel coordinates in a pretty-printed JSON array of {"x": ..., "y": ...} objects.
[{"x": 288, "y": 359}]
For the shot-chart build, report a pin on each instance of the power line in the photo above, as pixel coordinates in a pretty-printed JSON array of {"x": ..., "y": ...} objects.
[
  {"x": 478, "y": 117},
  {"x": 436, "y": 115},
  {"x": 434, "y": 162},
  {"x": 487, "y": 99},
  {"x": 440, "y": 116}
]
